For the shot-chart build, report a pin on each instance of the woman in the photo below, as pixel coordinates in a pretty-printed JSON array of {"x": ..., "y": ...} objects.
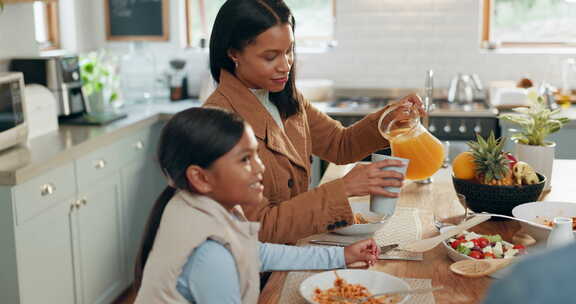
[
  {"x": 252, "y": 59},
  {"x": 198, "y": 246}
]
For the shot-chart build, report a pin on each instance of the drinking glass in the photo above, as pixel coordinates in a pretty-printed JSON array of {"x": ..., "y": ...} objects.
[{"x": 462, "y": 201}]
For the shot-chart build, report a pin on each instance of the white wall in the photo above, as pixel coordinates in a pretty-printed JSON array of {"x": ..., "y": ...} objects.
[
  {"x": 17, "y": 31},
  {"x": 390, "y": 43},
  {"x": 381, "y": 43}
]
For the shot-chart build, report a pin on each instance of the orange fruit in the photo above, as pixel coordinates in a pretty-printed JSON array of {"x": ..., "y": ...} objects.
[{"x": 463, "y": 166}]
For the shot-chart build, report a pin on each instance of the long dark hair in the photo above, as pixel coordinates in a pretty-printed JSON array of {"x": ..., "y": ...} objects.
[
  {"x": 237, "y": 24},
  {"x": 197, "y": 136}
]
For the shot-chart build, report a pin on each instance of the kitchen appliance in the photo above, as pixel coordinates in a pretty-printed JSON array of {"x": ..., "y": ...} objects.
[
  {"x": 61, "y": 75},
  {"x": 41, "y": 110},
  {"x": 13, "y": 120},
  {"x": 463, "y": 88},
  {"x": 178, "y": 80}
]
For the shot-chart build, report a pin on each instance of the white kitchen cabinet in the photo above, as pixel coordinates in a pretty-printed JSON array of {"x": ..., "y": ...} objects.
[
  {"x": 71, "y": 234},
  {"x": 45, "y": 269},
  {"x": 97, "y": 239}
]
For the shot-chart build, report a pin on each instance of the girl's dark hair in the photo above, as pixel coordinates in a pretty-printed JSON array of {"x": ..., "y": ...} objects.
[
  {"x": 237, "y": 24},
  {"x": 197, "y": 136}
]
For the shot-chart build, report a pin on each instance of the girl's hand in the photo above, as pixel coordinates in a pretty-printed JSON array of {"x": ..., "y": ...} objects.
[
  {"x": 370, "y": 179},
  {"x": 362, "y": 251}
]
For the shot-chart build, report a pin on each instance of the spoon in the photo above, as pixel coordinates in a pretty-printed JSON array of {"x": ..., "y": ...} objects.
[
  {"x": 479, "y": 268},
  {"x": 516, "y": 219},
  {"x": 389, "y": 293},
  {"x": 427, "y": 244}
]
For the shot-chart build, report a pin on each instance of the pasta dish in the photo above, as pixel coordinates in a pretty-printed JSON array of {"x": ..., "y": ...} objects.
[
  {"x": 360, "y": 219},
  {"x": 351, "y": 291},
  {"x": 550, "y": 223}
]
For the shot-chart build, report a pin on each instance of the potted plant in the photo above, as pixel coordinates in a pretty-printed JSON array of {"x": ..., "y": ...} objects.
[
  {"x": 99, "y": 80},
  {"x": 536, "y": 123}
]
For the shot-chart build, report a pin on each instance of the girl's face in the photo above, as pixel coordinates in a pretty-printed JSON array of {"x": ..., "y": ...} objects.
[
  {"x": 266, "y": 62},
  {"x": 236, "y": 177}
]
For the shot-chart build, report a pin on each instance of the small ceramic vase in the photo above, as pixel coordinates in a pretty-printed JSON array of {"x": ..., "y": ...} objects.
[{"x": 561, "y": 233}]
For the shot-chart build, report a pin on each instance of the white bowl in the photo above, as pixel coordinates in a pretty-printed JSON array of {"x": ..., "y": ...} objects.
[
  {"x": 361, "y": 229},
  {"x": 457, "y": 256},
  {"x": 374, "y": 281},
  {"x": 537, "y": 212}
]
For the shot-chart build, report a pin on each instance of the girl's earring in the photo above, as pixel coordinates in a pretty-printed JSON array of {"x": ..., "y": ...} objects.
[{"x": 235, "y": 64}]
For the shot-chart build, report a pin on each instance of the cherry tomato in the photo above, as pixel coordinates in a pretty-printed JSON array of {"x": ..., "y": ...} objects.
[
  {"x": 456, "y": 243},
  {"x": 519, "y": 247},
  {"x": 489, "y": 255},
  {"x": 476, "y": 254},
  {"x": 483, "y": 242}
]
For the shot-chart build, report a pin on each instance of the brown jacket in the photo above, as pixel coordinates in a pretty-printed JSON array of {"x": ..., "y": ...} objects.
[{"x": 289, "y": 211}]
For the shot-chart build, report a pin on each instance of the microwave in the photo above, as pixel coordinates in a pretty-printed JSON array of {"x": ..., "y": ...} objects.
[{"x": 13, "y": 124}]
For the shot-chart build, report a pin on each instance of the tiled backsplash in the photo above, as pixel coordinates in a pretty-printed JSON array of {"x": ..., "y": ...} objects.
[{"x": 391, "y": 43}]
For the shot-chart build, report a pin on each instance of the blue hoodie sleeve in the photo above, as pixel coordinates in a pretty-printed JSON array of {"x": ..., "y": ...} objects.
[{"x": 284, "y": 257}]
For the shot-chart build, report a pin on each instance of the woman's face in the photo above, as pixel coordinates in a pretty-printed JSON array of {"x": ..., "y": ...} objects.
[
  {"x": 266, "y": 62},
  {"x": 236, "y": 177}
]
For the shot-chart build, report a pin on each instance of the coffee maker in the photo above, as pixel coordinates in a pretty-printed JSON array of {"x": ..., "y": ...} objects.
[{"x": 61, "y": 75}]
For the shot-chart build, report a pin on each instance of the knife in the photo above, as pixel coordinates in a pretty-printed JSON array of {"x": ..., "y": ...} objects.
[{"x": 383, "y": 249}]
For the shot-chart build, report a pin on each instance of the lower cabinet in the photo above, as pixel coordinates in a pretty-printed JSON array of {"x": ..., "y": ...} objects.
[
  {"x": 72, "y": 234},
  {"x": 97, "y": 239},
  {"x": 141, "y": 188},
  {"x": 44, "y": 253}
]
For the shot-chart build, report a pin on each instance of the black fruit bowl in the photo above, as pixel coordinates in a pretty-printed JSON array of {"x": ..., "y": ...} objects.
[{"x": 497, "y": 199}]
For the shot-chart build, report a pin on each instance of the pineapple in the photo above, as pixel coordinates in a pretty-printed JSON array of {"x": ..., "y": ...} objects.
[{"x": 491, "y": 163}]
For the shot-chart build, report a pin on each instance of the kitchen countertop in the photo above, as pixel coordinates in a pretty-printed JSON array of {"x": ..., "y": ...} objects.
[
  {"x": 51, "y": 150},
  {"x": 362, "y": 111},
  {"x": 54, "y": 149}
]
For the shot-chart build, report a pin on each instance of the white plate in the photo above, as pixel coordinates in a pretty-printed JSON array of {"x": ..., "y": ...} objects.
[
  {"x": 374, "y": 281},
  {"x": 361, "y": 229},
  {"x": 538, "y": 211},
  {"x": 457, "y": 256}
]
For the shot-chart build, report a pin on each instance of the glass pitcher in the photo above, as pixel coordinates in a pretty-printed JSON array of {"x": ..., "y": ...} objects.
[{"x": 408, "y": 138}]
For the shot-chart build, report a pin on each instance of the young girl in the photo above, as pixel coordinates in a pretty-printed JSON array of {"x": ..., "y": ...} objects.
[{"x": 199, "y": 247}]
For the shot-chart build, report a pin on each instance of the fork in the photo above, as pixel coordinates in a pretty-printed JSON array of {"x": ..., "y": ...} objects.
[{"x": 388, "y": 293}]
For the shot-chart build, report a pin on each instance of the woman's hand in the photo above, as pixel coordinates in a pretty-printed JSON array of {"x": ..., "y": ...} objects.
[
  {"x": 371, "y": 179},
  {"x": 413, "y": 101},
  {"x": 362, "y": 251}
]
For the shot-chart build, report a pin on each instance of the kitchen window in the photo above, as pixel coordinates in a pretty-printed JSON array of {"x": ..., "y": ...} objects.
[
  {"x": 46, "y": 25},
  {"x": 529, "y": 23},
  {"x": 315, "y": 21}
]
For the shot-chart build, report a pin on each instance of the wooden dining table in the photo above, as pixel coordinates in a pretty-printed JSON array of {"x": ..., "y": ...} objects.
[{"x": 437, "y": 200}]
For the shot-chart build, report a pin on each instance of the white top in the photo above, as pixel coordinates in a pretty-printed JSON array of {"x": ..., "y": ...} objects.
[{"x": 263, "y": 97}]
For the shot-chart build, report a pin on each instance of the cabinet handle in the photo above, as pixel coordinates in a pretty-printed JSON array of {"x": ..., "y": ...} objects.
[
  {"x": 139, "y": 145},
  {"x": 75, "y": 205},
  {"x": 47, "y": 189},
  {"x": 100, "y": 164}
]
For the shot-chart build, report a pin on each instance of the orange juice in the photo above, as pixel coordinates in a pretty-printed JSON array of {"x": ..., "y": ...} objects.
[{"x": 426, "y": 152}]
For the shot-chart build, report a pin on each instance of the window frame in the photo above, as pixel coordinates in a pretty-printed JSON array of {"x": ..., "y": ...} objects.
[
  {"x": 188, "y": 19},
  {"x": 487, "y": 43},
  {"x": 53, "y": 25}
]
